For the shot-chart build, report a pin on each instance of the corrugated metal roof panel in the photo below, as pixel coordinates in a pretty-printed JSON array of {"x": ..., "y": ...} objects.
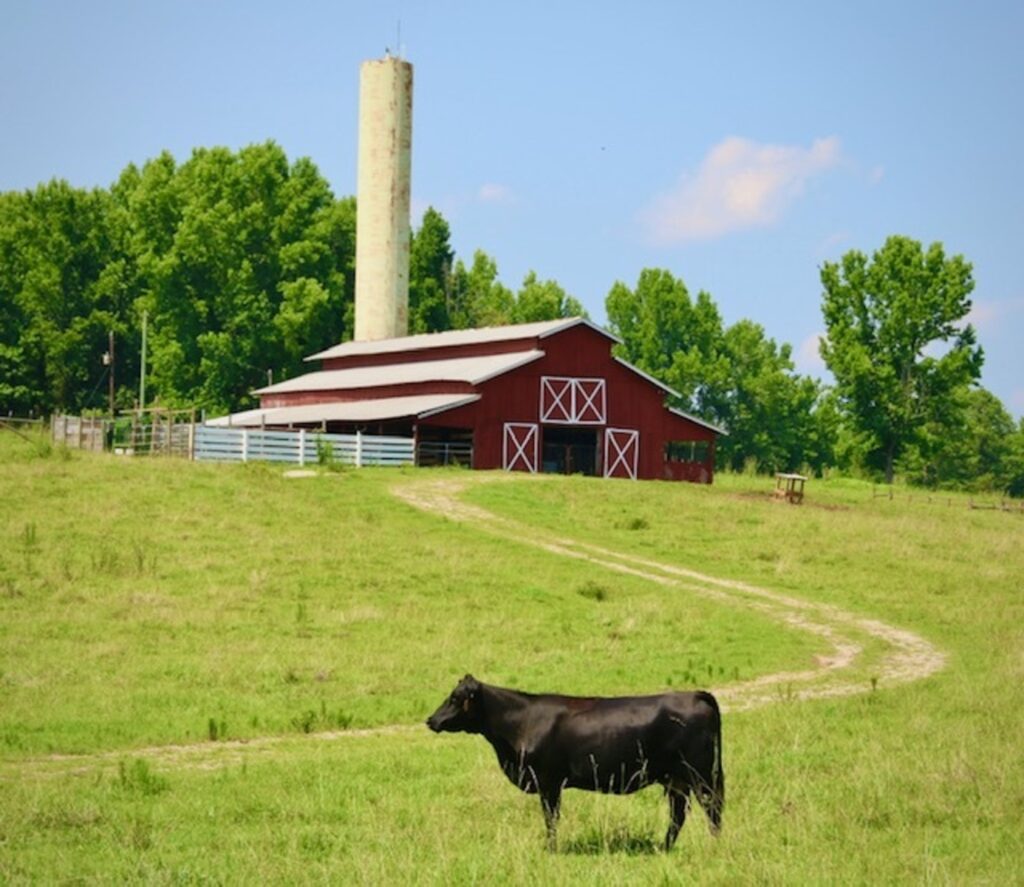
[
  {"x": 460, "y": 369},
  {"x": 379, "y": 410},
  {"x": 450, "y": 338}
]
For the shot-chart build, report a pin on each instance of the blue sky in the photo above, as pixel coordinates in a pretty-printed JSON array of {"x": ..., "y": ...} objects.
[{"x": 739, "y": 145}]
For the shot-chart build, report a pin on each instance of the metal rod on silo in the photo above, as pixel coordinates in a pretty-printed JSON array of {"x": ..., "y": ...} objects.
[{"x": 382, "y": 220}]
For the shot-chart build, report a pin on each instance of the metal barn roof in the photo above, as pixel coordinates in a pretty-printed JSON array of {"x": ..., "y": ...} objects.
[
  {"x": 379, "y": 410},
  {"x": 451, "y": 338},
  {"x": 472, "y": 370}
]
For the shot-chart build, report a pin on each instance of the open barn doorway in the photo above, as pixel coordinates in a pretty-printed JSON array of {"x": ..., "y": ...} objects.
[
  {"x": 444, "y": 446},
  {"x": 567, "y": 450}
]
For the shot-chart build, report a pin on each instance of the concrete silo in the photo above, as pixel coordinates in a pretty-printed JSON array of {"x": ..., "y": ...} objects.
[{"x": 382, "y": 221}]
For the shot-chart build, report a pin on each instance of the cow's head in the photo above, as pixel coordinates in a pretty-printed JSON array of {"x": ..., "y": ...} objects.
[{"x": 461, "y": 711}]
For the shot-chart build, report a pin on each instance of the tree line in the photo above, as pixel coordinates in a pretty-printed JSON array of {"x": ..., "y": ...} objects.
[{"x": 242, "y": 263}]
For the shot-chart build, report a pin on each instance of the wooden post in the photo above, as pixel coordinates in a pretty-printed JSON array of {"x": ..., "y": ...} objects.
[
  {"x": 245, "y": 444},
  {"x": 359, "y": 449},
  {"x": 302, "y": 447}
]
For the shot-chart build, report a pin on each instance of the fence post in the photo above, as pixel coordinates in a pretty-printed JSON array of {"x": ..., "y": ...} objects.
[
  {"x": 302, "y": 447},
  {"x": 245, "y": 444},
  {"x": 192, "y": 439},
  {"x": 359, "y": 449}
]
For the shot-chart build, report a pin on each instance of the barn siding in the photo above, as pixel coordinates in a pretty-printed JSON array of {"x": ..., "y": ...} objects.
[
  {"x": 579, "y": 351},
  {"x": 632, "y": 402}
]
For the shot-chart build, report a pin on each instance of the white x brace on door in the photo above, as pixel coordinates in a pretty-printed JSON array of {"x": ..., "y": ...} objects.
[
  {"x": 621, "y": 452},
  {"x": 567, "y": 400},
  {"x": 519, "y": 447}
]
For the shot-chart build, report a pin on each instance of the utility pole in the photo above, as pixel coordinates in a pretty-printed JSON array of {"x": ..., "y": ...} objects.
[
  {"x": 113, "y": 363},
  {"x": 142, "y": 369}
]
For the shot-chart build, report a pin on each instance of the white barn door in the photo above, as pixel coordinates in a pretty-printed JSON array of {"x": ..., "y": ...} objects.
[
  {"x": 621, "y": 452},
  {"x": 520, "y": 447}
]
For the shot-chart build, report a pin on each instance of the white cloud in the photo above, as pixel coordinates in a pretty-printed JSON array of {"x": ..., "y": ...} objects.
[
  {"x": 876, "y": 174},
  {"x": 807, "y": 358},
  {"x": 492, "y": 192},
  {"x": 739, "y": 184}
]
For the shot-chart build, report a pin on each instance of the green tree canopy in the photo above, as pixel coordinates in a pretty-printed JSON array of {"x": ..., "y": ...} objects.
[
  {"x": 543, "y": 300},
  {"x": 885, "y": 318},
  {"x": 242, "y": 261},
  {"x": 61, "y": 290},
  {"x": 478, "y": 297},
  {"x": 430, "y": 275},
  {"x": 735, "y": 377},
  {"x": 969, "y": 446}
]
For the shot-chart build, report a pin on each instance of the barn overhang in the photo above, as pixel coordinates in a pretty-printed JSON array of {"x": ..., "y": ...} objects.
[
  {"x": 467, "y": 370},
  {"x": 384, "y": 409}
]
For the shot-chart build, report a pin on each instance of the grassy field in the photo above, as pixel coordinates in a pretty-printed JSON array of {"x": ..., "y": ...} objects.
[{"x": 217, "y": 674}]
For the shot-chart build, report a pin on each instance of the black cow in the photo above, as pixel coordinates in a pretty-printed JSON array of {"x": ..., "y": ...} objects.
[{"x": 617, "y": 745}]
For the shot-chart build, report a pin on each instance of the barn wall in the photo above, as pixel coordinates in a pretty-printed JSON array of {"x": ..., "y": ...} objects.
[{"x": 632, "y": 402}]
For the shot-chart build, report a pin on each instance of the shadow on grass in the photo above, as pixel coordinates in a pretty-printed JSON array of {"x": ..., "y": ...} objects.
[{"x": 600, "y": 843}]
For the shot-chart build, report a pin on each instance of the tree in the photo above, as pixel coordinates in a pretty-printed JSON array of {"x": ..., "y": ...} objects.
[
  {"x": 478, "y": 298},
  {"x": 736, "y": 377},
  {"x": 543, "y": 300},
  {"x": 884, "y": 319},
  {"x": 769, "y": 410},
  {"x": 1015, "y": 463},
  {"x": 970, "y": 447},
  {"x": 430, "y": 273},
  {"x": 60, "y": 292},
  {"x": 244, "y": 265}
]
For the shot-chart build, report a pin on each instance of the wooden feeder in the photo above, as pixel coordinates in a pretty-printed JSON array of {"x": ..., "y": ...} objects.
[{"x": 790, "y": 487}]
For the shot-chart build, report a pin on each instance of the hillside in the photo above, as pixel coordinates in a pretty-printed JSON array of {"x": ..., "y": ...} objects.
[{"x": 221, "y": 673}]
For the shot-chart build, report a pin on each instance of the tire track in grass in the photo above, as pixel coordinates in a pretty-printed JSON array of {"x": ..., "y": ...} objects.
[
  {"x": 897, "y": 656},
  {"x": 904, "y": 656}
]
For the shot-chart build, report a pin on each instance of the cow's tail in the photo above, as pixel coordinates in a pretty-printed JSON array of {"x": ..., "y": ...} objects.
[{"x": 712, "y": 797}]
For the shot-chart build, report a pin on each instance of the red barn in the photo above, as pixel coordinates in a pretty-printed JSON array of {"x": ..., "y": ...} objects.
[{"x": 546, "y": 396}]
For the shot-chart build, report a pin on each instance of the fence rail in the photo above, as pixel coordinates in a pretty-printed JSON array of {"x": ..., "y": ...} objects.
[
  {"x": 81, "y": 432},
  {"x": 430, "y": 453},
  {"x": 952, "y": 500},
  {"x": 219, "y": 444}
]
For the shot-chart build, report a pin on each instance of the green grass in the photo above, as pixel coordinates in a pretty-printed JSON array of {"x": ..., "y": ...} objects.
[{"x": 149, "y": 603}]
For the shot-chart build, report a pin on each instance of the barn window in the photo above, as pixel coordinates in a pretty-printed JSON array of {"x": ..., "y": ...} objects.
[
  {"x": 566, "y": 400},
  {"x": 686, "y": 451}
]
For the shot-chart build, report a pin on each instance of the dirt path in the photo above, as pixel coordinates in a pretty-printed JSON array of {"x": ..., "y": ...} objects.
[{"x": 861, "y": 653}]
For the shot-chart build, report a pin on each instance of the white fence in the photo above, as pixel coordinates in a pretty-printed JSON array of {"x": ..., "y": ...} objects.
[{"x": 216, "y": 443}]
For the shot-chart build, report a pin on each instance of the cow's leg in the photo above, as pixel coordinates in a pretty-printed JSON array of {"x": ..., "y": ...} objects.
[
  {"x": 551, "y": 804},
  {"x": 678, "y": 804}
]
